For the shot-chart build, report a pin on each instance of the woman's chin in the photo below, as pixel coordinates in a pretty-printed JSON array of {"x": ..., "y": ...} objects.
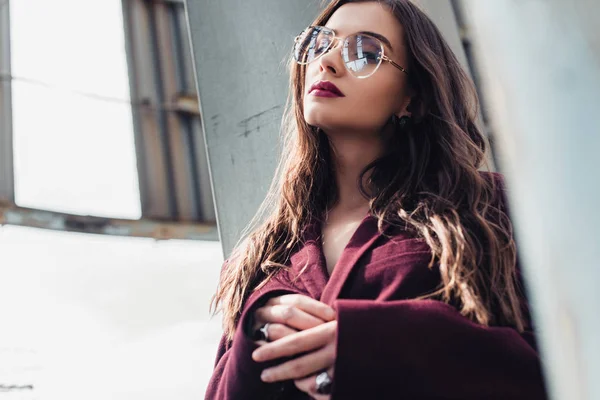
[
  {"x": 323, "y": 120},
  {"x": 319, "y": 124}
]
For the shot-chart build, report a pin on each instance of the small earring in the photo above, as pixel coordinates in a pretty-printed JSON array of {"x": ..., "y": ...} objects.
[{"x": 402, "y": 122}]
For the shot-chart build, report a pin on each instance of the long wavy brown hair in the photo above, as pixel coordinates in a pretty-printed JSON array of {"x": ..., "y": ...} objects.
[{"x": 428, "y": 182}]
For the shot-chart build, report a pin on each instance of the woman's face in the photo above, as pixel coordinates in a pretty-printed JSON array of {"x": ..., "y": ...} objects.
[{"x": 367, "y": 104}]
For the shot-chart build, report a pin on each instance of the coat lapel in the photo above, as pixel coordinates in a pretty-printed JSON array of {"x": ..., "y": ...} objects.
[
  {"x": 315, "y": 277},
  {"x": 363, "y": 238},
  {"x": 309, "y": 263}
]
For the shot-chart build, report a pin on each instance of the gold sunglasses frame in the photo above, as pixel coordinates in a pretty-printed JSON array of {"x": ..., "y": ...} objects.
[{"x": 342, "y": 40}]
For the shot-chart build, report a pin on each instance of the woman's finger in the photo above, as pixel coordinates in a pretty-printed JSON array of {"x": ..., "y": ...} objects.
[
  {"x": 300, "y": 367},
  {"x": 278, "y": 331},
  {"x": 304, "y": 341},
  {"x": 306, "y": 304},
  {"x": 307, "y": 385},
  {"x": 286, "y": 315}
]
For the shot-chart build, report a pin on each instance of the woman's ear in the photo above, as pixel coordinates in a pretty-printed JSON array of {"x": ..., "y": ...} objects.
[
  {"x": 406, "y": 109},
  {"x": 415, "y": 108}
]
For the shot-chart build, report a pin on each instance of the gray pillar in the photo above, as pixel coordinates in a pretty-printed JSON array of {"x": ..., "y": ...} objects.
[
  {"x": 442, "y": 14},
  {"x": 240, "y": 50},
  {"x": 540, "y": 61},
  {"x": 7, "y": 194}
]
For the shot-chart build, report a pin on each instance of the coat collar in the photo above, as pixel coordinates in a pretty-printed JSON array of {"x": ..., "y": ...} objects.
[{"x": 315, "y": 278}]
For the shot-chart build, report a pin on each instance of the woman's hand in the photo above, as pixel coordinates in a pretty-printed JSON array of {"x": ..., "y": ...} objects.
[
  {"x": 320, "y": 344},
  {"x": 297, "y": 324},
  {"x": 289, "y": 314}
]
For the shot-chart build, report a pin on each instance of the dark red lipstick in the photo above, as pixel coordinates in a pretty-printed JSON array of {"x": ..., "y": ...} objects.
[{"x": 325, "y": 89}]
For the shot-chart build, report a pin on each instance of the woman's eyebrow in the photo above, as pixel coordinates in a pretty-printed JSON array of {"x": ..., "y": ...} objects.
[{"x": 380, "y": 37}]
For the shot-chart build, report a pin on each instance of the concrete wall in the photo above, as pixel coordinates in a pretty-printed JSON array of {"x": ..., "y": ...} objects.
[{"x": 540, "y": 60}]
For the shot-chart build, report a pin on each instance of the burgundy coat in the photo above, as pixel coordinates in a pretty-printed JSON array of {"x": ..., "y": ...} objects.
[{"x": 390, "y": 346}]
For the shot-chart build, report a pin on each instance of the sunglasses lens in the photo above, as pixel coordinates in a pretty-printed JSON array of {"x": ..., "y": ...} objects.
[
  {"x": 362, "y": 54},
  {"x": 311, "y": 44}
]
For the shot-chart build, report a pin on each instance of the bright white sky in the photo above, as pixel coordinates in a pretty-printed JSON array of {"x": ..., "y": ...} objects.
[
  {"x": 91, "y": 316},
  {"x": 72, "y": 153}
]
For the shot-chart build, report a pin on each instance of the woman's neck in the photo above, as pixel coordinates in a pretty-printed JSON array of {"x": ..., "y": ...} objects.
[{"x": 350, "y": 157}]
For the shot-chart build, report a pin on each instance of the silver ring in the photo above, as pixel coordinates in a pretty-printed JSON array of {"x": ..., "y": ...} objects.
[
  {"x": 324, "y": 383},
  {"x": 264, "y": 330}
]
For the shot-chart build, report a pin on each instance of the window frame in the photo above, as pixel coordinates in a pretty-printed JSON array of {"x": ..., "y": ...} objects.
[{"x": 175, "y": 190}]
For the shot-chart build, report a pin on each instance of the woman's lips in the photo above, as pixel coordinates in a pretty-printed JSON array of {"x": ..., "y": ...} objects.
[
  {"x": 324, "y": 93},
  {"x": 325, "y": 89}
]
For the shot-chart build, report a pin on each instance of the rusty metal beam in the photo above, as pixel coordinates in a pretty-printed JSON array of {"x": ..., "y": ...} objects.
[{"x": 14, "y": 215}]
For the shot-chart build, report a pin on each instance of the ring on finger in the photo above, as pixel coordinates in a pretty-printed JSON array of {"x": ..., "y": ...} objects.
[
  {"x": 262, "y": 333},
  {"x": 324, "y": 383}
]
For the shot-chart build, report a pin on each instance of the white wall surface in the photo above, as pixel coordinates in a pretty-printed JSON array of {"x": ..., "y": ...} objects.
[{"x": 93, "y": 317}]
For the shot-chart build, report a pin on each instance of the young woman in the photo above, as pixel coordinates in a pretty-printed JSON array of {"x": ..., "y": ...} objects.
[{"x": 386, "y": 267}]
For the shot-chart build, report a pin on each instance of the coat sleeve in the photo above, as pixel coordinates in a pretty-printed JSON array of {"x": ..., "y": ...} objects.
[
  {"x": 236, "y": 374},
  {"x": 427, "y": 350}
]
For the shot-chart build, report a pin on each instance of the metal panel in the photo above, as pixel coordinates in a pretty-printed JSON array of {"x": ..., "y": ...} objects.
[
  {"x": 176, "y": 135},
  {"x": 156, "y": 198},
  {"x": 192, "y": 137},
  {"x": 181, "y": 46},
  {"x": 7, "y": 192},
  {"x": 166, "y": 112},
  {"x": 540, "y": 61},
  {"x": 240, "y": 49}
]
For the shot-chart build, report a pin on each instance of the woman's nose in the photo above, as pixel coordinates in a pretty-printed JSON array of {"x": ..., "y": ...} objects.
[{"x": 332, "y": 60}]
